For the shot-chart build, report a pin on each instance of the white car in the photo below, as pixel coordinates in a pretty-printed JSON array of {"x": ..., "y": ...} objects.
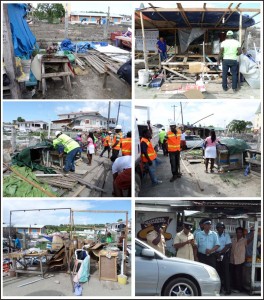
[
  {"x": 194, "y": 141},
  {"x": 158, "y": 275}
]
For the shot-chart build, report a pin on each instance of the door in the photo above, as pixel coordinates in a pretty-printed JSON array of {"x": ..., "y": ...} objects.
[{"x": 147, "y": 274}]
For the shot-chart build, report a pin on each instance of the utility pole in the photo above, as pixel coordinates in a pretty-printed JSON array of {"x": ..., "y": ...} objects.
[
  {"x": 118, "y": 112},
  {"x": 108, "y": 119},
  {"x": 174, "y": 106},
  {"x": 9, "y": 56},
  {"x": 181, "y": 113},
  {"x": 66, "y": 21}
]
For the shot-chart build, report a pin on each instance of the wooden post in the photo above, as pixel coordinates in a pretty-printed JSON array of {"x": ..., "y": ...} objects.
[
  {"x": 9, "y": 56},
  {"x": 125, "y": 244},
  {"x": 175, "y": 44},
  {"x": 66, "y": 21},
  {"x": 144, "y": 43},
  {"x": 240, "y": 41}
]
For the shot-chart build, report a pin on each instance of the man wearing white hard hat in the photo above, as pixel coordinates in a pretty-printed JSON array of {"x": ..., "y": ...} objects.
[
  {"x": 173, "y": 145},
  {"x": 116, "y": 142},
  {"x": 229, "y": 53},
  {"x": 71, "y": 148}
]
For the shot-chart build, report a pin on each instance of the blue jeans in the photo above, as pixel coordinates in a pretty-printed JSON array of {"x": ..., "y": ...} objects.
[
  {"x": 69, "y": 161},
  {"x": 233, "y": 65},
  {"x": 152, "y": 170},
  {"x": 163, "y": 56}
]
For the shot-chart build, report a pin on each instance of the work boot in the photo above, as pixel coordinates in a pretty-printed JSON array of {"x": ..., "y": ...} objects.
[
  {"x": 179, "y": 175},
  {"x": 173, "y": 178}
]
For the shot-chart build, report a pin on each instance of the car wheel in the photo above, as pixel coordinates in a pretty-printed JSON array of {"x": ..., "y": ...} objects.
[{"x": 181, "y": 287}]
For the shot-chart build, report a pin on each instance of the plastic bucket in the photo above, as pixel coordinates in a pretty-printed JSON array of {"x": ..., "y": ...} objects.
[
  {"x": 143, "y": 76},
  {"x": 26, "y": 65},
  {"x": 122, "y": 279}
]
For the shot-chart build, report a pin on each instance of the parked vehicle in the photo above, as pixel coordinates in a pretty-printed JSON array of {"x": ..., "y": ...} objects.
[
  {"x": 194, "y": 141},
  {"x": 158, "y": 275}
]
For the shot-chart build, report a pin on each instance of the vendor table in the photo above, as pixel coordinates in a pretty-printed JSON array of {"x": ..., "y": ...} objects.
[{"x": 17, "y": 256}]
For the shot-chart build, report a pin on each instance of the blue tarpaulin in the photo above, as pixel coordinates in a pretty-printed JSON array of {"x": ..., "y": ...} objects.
[
  {"x": 24, "y": 40},
  {"x": 82, "y": 47},
  {"x": 194, "y": 18}
]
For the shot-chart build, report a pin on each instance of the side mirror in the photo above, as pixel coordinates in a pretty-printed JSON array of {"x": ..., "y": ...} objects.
[{"x": 148, "y": 253}]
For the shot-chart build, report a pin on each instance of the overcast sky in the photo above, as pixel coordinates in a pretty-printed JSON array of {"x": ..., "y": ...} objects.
[
  {"x": 48, "y": 111},
  {"x": 57, "y": 217},
  {"x": 223, "y": 111}
]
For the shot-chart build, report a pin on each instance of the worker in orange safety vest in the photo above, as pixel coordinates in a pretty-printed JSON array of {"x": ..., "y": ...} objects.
[
  {"x": 107, "y": 144},
  {"x": 126, "y": 144},
  {"x": 173, "y": 145},
  {"x": 116, "y": 142},
  {"x": 149, "y": 156}
]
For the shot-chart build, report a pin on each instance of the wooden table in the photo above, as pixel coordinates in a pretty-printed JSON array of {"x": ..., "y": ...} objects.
[
  {"x": 62, "y": 63},
  {"x": 17, "y": 256}
]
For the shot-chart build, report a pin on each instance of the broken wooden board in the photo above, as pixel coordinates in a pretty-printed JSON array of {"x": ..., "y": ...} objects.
[
  {"x": 194, "y": 94},
  {"x": 171, "y": 86},
  {"x": 195, "y": 161}
]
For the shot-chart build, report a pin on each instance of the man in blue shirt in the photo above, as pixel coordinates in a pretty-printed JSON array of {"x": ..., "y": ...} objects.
[
  {"x": 162, "y": 48},
  {"x": 223, "y": 257},
  {"x": 17, "y": 243},
  {"x": 207, "y": 243}
]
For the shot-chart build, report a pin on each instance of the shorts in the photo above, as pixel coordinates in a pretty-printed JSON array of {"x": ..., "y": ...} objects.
[{"x": 123, "y": 180}]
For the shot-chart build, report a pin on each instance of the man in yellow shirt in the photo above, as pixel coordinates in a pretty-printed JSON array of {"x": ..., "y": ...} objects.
[
  {"x": 229, "y": 52},
  {"x": 71, "y": 148}
]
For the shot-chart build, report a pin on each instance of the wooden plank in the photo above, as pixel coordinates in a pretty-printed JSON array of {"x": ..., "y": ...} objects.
[
  {"x": 179, "y": 74},
  {"x": 80, "y": 189},
  {"x": 57, "y": 74},
  {"x": 91, "y": 186},
  {"x": 253, "y": 161},
  {"x": 56, "y": 59}
]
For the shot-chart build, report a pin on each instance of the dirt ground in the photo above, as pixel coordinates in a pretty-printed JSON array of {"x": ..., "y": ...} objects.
[
  {"x": 90, "y": 85},
  {"x": 51, "y": 287},
  {"x": 200, "y": 184},
  {"x": 213, "y": 91}
]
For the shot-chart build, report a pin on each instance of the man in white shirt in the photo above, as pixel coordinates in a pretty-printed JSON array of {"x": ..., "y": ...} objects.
[
  {"x": 156, "y": 239},
  {"x": 229, "y": 53},
  {"x": 121, "y": 171}
]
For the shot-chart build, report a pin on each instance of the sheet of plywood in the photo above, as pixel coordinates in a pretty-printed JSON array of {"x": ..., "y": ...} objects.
[
  {"x": 171, "y": 86},
  {"x": 194, "y": 94}
]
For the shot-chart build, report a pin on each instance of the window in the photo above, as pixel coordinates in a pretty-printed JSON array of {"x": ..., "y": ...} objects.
[
  {"x": 138, "y": 250},
  {"x": 34, "y": 230}
]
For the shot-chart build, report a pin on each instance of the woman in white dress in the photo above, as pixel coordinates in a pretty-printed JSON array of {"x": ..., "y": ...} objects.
[
  {"x": 210, "y": 150},
  {"x": 90, "y": 148}
]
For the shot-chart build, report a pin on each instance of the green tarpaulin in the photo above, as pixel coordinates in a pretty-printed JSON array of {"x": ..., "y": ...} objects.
[
  {"x": 234, "y": 145},
  {"x": 14, "y": 186},
  {"x": 31, "y": 155}
]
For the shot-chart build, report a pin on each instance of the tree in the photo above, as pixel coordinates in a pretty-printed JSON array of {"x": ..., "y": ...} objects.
[
  {"x": 20, "y": 119},
  {"x": 119, "y": 220},
  {"x": 49, "y": 11},
  {"x": 239, "y": 125}
]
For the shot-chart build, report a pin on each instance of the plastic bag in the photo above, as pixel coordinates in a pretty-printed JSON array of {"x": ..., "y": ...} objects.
[{"x": 78, "y": 289}]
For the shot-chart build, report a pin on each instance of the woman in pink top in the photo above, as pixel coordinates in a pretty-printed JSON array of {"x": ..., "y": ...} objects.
[
  {"x": 90, "y": 148},
  {"x": 210, "y": 150}
]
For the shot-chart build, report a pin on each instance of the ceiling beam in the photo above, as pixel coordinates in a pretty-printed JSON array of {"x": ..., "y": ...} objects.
[
  {"x": 236, "y": 9},
  {"x": 207, "y": 9},
  {"x": 144, "y": 20},
  {"x": 174, "y": 23},
  {"x": 204, "y": 7},
  {"x": 224, "y": 14},
  {"x": 184, "y": 15}
]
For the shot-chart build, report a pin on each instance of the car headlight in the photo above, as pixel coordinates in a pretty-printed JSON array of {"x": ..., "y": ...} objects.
[{"x": 212, "y": 272}]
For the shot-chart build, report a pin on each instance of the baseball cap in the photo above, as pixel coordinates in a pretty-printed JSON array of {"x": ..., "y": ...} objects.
[{"x": 230, "y": 32}]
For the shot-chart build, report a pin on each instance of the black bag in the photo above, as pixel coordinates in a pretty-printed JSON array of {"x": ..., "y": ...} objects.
[
  {"x": 125, "y": 71},
  {"x": 6, "y": 80}
]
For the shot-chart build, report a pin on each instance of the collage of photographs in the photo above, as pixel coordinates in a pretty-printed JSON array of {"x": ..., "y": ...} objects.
[{"x": 131, "y": 149}]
